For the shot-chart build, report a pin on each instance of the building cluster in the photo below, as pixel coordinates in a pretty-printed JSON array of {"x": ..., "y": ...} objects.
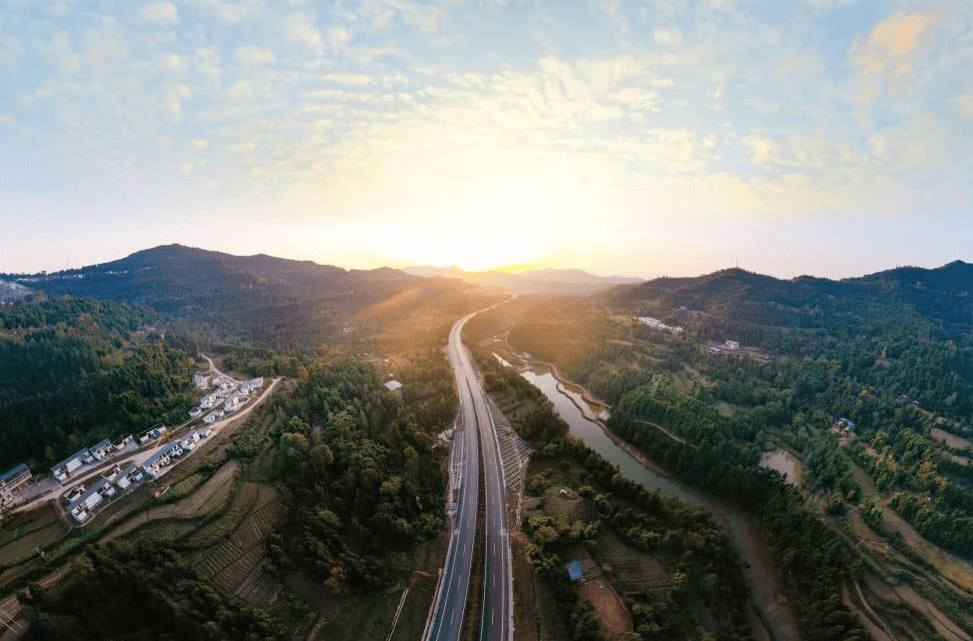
[
  {"x": 82, "y": 500},
  {"x": 655, "y": 323},
  {"x": 226, "y": 400},
  {"x": 99, "y": 452}
]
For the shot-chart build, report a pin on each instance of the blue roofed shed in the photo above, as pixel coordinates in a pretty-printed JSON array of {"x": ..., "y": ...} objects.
[{"x": 574, "y": 570}]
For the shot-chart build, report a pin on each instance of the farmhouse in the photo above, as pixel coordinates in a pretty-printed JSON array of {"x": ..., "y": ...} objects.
[
  {"x": 189, "y": 441},
  {"x": 83, "y": 505},
  {"x": 101, "y": 450},
  {"x": 12, "y": 481},
  {"x": 63, "y": 470},
  {"x": 131, "y": 474},
  {"x": 393, "y": 386},
  {"x": 154, "y": 464},
  {"x": 252, "y": 384}
]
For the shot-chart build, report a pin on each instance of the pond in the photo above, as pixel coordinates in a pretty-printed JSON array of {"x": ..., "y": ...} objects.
[{"x": 785, "y": 463}]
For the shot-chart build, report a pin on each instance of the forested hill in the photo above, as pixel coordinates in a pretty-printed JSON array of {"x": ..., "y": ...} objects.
[
  {"x": 287, "y": 303},
  {"x": 175, "y": 279},
  {"x": 75, "y": 371},
  {"x": 754, "y": 306}
]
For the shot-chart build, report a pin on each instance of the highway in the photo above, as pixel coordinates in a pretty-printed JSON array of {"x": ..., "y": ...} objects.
[
  {"x": 496, "y": 621},
  {"x": 447, "y": 622}
]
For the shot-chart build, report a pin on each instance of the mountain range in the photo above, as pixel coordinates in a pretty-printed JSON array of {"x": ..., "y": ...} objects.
[
  {"x": 738, "y": 303},
  {"x": 532, "y": 281},
  {"x": 179, "y": 281}
]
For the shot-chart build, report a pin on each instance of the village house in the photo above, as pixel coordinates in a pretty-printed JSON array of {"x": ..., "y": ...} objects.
[
  {"x": 393, "y": 385},
  {"x": 81, "y": 508},
  {"x": 252, "y": 385},
  {"x": 131, "y": 474},
  {"x": 63, "y": 470},
  {"x": 189, "y": 441},
  {"x": 154, "y": 464},
  {"x": 12, "y": 481},
  {"x": 733, "y": 345},
  {"x": 101, "y": 450},
  {"x": 201, "y": 380},
  {"x": 152, "y": 434}
]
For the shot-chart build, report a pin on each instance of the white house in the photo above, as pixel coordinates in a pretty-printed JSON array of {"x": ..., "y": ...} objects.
[
  {"x": 201, "y": 380},
  {"x": 393, "y": 385},
  {"x": 233, "y": 402},
  {"x": 101, "y": 450},
  {"x": 63, "y": 470},
  {"x": 189, "y": 441},
  {"x": 733, "y": 345},
  {"x": 12, "y": 481},
  {"x": 83, "y": 505},
  {"x": 209, "y": 401},
  {"x": 154, "y": 464},
  {"x": 131, "y": 474},
  {"x": 252, "y": 384}
]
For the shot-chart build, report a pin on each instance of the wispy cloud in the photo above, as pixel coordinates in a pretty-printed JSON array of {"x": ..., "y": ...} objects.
[{"x": 710, "y": 108}]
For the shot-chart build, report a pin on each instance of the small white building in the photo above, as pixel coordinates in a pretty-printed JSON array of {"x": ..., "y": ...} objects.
[
  {"x": 193, "y": 437},
  {"x": 393, "y": 385},
  {"x": 154, "y": 464},
  {"x": 81, "y": 508},
  {"x": 101, "y": 450},
  {"x": 63, "y": 470},
  {"x": 732, "y": 345},
  {"x": 131, "y": 474},
  {"x": 12, "y": 481},
  {"x": 252, "y": 385},
  {"x": 201, "y": 380}
]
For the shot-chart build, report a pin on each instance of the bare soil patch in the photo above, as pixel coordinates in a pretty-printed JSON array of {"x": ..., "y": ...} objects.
[{"x": 950, "y": 439}]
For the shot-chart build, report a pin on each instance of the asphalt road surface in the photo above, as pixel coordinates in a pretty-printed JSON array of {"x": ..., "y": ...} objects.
[{"x": 495, "y": 624}]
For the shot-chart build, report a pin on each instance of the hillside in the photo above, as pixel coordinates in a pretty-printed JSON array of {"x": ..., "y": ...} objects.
[
  {"x": 759, "y": 308},
  {"x": 287, "y": 303}
]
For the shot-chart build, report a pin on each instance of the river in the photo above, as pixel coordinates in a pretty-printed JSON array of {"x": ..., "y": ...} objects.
[{"x": 583, "y": 423}]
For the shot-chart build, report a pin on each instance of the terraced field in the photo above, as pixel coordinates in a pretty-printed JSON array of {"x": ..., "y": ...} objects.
[
  {"x": 633, "y": 571},
  {"x": 235, "y": 562}
]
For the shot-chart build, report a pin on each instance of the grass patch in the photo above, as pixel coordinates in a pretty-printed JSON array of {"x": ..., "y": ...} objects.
[
  {"x": 75, "y": 541},
  {"x": 185, "y": 486}
]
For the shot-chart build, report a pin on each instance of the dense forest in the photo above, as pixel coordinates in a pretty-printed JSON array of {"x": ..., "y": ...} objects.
[
  {"x": 76, "y": 371},
  {"x": 363, "y": 483},
  {"x": 146, "y": 591}
]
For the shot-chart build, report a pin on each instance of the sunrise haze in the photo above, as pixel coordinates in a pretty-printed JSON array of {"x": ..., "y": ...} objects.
[{"x": 829, "y": 137}]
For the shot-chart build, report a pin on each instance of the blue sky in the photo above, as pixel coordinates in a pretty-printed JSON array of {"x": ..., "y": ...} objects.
[{"x": 640, "y": 137}]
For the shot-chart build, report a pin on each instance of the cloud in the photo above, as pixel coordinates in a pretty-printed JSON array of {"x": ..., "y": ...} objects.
[
  {"x": 891, "y": 47},
  {"x": 924, "y": 145},
  {"x": 300, "y": 27},
  {"x": 255, "y": 55},
  {"x": 671, "y": 37},
  {"x": 198, "y": 144},
  {"x": 160, "y": 12},
  {"x": 178, "y": 94},
  {"x": 761, "y": 149},
  {"x": 338, "y": 37},
  {"x": 965, "y": 103},
  {"x": 173, "y": 63}
]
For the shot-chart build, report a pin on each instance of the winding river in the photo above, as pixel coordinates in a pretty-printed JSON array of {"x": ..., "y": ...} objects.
[{"x": 585, "y": 422}]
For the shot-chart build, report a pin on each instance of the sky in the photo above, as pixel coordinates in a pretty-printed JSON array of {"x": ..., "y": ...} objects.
[{"x": 629, "y": 137}]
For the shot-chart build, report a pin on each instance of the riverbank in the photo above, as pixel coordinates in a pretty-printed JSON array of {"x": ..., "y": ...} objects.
[{"x": 772, "y": 610}]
